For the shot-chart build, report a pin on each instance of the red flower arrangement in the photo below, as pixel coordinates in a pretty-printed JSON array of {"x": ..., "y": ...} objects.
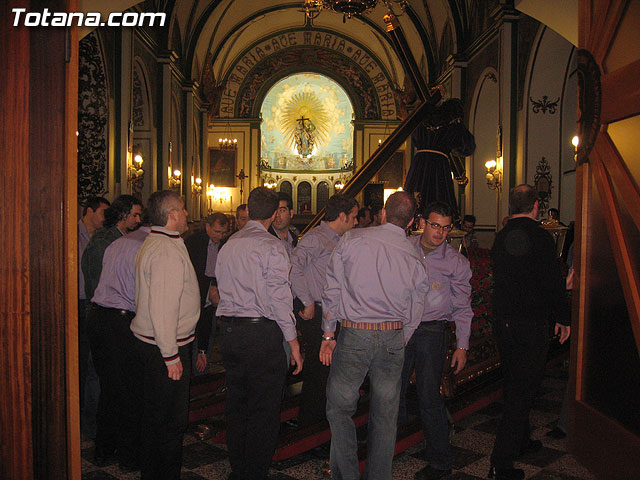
[{"x": 481, "y": 291}]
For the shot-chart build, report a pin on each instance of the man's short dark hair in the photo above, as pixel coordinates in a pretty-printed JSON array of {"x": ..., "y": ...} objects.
[
  {"x": 216, "y": 217},
  {"x": 469, "y": 218},
  {"x": 400, "y": 208},
  {"x": 242, "y": 206},
  {"x": 338, "y": 204},
  {"x": 363, "y": 213},
  {"x": 441, "y": 208},
  {"x": 94, "y": 203},
  {"x": 285, "y": 197},
  {"x": 160, "y": 204},
  {"x": 262, "y": 203},
  {"x": 522, "y": 199},
  {"x": 120, "y": 208}
]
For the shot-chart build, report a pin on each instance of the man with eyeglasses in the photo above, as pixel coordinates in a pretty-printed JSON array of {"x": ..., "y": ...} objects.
[{"x": 448, "y": 299}]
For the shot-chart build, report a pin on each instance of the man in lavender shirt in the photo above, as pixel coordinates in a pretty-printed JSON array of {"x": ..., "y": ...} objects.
[
  {"x": 309, "y": 262},
  {"x": 449, "y": 299},
  {"x": 255, "y": 312},
  {"x": 113, "y": 309},
  {"x": 376, "y": 286}
]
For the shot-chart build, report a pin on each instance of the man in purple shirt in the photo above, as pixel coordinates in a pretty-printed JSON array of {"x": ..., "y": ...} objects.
[
  {"x": 114, "y": 307},
  {"x": 449, "y": 299},
  {"x": 376, "y": 286},
  {"x": 255, "y": 312},
  {"x": 309, "y": 262}
]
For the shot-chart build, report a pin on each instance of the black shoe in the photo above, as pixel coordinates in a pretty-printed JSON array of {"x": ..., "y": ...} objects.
[
  {"x": 430, "y": 473},
  {"x": 506, "y": 473},
  {"x": 556, "y": 433},
  {"x": 532, "y": 446}
]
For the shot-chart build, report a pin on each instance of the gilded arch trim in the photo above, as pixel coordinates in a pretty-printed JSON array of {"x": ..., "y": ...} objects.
[{"x": 350, "y": 64}]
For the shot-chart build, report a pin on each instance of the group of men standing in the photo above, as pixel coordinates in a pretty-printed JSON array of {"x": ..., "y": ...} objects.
[{"x": 366, "y": 301}]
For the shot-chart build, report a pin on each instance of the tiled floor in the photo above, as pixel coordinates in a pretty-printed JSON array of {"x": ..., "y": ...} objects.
[{"x": 472, "y": 442}]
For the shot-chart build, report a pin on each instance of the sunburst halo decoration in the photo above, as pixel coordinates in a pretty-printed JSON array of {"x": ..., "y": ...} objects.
[{"x": 304, "y": 105}]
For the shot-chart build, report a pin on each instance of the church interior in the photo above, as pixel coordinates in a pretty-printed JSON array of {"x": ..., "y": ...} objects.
[{"x": 315, "y": 98}]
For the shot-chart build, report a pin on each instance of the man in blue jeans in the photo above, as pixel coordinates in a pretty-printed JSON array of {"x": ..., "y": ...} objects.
[
  {"x": 449, "y": 299},
  {"x": 376, "y": 286}
]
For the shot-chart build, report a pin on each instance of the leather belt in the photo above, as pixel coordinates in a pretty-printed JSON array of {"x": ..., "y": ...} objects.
[
  {"x": 394, "y": 325},
  {"x": 244, "y": 319},
  {"x": 119, "y": 311}
]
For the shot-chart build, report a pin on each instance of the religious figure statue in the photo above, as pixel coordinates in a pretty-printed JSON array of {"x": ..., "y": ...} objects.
[
  {"x": 304, "y": 136},
  {"x": 439, "y": 139}
]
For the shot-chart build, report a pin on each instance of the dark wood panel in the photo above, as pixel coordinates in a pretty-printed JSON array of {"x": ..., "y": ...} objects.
[
  {"x": 15, "y": 382},
  {"x": 47, "y": 139},
  {"x": 619, "y": 461},
  {"x": 623, "y": 93}
]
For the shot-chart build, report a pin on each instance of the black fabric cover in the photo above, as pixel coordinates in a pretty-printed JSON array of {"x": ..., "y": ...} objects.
[{"x": 430, "y": 173}]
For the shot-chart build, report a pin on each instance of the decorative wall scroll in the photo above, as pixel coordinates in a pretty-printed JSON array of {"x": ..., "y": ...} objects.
[
  {"x": 222, "y": 167},
  {"x": 349, "y": 63},
  {"x": 93, "y": 115},
  {"x": 543, "y": 183},
  {"x": 544, "y": 105}
]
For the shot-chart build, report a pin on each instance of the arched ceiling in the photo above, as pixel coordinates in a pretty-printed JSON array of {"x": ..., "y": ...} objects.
[{"x": 225, "y": 28}]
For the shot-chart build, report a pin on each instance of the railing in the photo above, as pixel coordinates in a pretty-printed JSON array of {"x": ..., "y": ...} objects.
[{"x": 380, "y": 157}]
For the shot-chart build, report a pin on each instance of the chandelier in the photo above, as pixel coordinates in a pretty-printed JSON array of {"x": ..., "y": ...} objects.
[
  {"x": 347, "y": 8},
  {"x": 228, "y": 143}
]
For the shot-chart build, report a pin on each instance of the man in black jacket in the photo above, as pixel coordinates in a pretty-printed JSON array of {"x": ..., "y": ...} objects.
[
  {"x": 203, "y": 249},
  {"x": 529, "y": 292}
]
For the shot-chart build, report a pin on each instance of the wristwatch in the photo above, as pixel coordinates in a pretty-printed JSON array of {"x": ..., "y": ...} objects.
[{"x": 328, "y": 339}]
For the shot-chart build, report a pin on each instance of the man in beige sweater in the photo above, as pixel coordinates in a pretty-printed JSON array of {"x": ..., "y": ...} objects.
[{"x": 167, "y": 310}]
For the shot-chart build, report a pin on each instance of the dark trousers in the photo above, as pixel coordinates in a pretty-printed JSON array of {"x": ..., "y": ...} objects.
[
  {"x": 89, "y": 384},
  {"x": 313, "y": 398},
  {"x": 254, "y": 360},
  {"x": 523, "y": 351},
  {"x": 165, "y": 411},
  {"x": 426, "y": 351},
  {"x": 118, "y": 415}
]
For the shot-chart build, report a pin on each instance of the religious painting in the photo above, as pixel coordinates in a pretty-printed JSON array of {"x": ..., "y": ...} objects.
[
  {"x": 306, "y": 125},
  {"x": 222, "y": 167},
  {"x": 392, "y": 174}
]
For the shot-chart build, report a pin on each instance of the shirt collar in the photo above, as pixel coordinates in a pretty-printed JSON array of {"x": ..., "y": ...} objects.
[
  {"x": 82, "y": 228},
  {"x": 165, "y": 231},
  {"x": 393, "y": 228},
  {"x": 255, "y": 224},
  {"x": 328, "y": 228}
]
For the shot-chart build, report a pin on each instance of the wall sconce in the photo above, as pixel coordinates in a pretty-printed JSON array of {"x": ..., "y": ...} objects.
[
  {"x": 494, "y": 174},
  {"x": 575, "y": 141},
  {"x": 196, "y": 186},
  {"x": 134, "y": 170},
  {"x": 270, "y": 182},
  {"x": 174, "y": 179}
]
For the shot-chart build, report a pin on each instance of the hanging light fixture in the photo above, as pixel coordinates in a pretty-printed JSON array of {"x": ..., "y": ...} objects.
[
  {"x": 348, "y": 8},
  {"x": 228, "y": 142}
]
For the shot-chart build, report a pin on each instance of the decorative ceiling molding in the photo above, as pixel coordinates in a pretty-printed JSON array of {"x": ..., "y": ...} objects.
[{"x": 349, "y": 63}]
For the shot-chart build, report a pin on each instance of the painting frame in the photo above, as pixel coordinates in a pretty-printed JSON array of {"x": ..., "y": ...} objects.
[{"x": 222, "y": 167}]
